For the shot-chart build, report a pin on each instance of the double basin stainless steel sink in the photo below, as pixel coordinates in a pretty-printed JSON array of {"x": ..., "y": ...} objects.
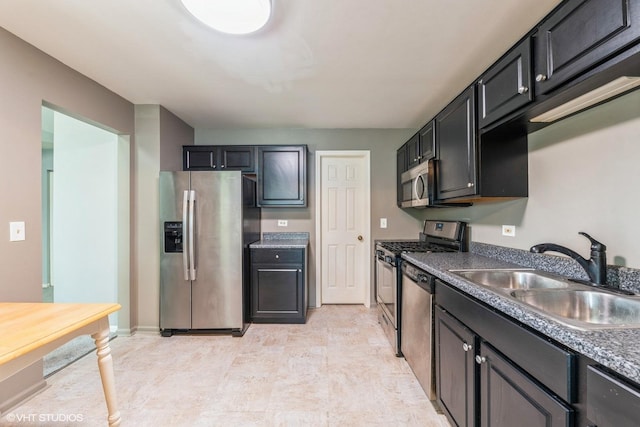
[{"x": 573, "y": 304}]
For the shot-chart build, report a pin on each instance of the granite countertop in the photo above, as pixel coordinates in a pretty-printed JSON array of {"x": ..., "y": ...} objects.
[
  {"x": 282, "y": 241},
  {"x": 616, "y": 349}
]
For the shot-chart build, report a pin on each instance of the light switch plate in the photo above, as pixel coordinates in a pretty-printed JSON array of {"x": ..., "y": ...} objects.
[
  {"x": 16, "y": 231},
  {"x": 383, "y": 222}
]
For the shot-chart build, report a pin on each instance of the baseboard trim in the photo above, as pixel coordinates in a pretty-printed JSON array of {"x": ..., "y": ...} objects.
[{"x": 22, "y": 397}]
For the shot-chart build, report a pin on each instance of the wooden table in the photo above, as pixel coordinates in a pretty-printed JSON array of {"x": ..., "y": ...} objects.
[{"x": 29, "y": 331}]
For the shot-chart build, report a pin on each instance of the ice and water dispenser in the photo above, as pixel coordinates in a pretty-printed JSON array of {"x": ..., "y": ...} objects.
[{"x": 172, "y": 236}]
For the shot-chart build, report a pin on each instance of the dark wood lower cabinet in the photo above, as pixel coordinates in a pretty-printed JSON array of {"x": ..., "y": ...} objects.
[
  {"x": 456, "y": 374},
  {"x": 509, "y": 397},
  {"x": 477, "y": 385},
  {"x": 278, "y": 286}
]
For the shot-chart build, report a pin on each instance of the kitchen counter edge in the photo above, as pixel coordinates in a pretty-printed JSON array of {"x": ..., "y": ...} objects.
[{"x": 612, "y": 348}]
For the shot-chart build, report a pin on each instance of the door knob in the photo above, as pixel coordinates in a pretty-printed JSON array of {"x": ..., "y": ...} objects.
[{"x": 360, "y": 238}]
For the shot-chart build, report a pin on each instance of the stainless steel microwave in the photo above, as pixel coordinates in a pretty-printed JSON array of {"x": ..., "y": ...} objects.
[{"x": 417, "y": 186}]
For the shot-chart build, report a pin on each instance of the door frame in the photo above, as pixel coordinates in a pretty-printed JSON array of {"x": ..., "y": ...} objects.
[{"x": 366, "y": 155}]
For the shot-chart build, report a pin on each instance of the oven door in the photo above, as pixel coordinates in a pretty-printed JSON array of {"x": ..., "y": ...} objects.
[{"x": 386, "y": 286}]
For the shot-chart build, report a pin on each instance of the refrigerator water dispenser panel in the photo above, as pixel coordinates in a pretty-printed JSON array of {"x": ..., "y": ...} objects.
[{"x": 173, "y": 237}]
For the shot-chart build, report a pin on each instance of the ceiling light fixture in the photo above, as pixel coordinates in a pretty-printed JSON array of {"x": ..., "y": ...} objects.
[{"x": 231, "y": 16}]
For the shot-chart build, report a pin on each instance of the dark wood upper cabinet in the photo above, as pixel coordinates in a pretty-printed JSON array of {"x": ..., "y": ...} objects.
[
  {"x": 216, "y": 157},
  {"x": 456, "y": 147},
  {"x": 427, "y": 142},
  {"x": 581, "y": 34},
  {"x": 199, "y": 157},
  {"x": 413, "y": 151},
  {"x": 282, "y": 175},
  {"x": 506, "y": 86},
  {"x": 237, "y": 158}
]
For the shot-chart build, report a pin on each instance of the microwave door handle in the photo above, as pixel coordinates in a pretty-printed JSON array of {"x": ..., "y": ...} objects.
[
  {"x": 415, "y": 187},
  {"x": 192, "y": 251},
  {"x": 185, "y": 240}
]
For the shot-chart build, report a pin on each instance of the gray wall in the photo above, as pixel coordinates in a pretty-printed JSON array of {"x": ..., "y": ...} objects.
[
  {"x": 382, "y": 144},
  {"x": 583, "y": 176},
  {"x": 160, "y": 136},
  {"x": 27, "y": 79}
]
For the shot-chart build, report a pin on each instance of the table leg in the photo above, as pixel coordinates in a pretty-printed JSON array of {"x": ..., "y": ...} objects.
[{"x": 105, "y": 364}]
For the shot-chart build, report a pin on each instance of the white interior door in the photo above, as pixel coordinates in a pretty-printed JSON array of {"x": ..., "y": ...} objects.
[{"x": 344, "y": 211}]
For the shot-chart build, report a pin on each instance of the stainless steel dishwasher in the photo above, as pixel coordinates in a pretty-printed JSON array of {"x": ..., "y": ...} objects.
[{"x": 417, "y": 325}]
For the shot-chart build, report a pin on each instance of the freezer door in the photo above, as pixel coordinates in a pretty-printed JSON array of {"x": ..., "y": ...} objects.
[
  {"x": 175, "y": 286},
  {"x": 217, "y": 301}
]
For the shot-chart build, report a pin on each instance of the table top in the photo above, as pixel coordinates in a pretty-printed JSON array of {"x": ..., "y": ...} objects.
[{"x": 26, "y": 326}]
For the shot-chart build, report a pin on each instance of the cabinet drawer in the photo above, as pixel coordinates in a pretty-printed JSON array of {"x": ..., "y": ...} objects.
[
  {"x": 270, "y": 256},
  {"x": 611, "y": 402}
]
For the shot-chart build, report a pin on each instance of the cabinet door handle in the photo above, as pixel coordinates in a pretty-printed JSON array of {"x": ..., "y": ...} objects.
[
  {"x": 541, "y": 77},
  {"x": 470, "y": 184},
  {"x": 360, "y": 238},
  {"x": 523, "y": 90},
  {"x": 480, "y": 359},
  {"x": 222, "y": 166},
  {"x": 467, "y": 347},
  {"x": 277, "y": 256}
]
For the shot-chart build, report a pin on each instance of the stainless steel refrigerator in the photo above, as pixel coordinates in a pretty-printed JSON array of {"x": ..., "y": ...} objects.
[{"x": 207, "y": 220}]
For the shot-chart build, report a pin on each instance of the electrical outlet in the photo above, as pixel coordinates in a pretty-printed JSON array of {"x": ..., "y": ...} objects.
[
  {"x": 383, "y": 222},
  {"x": 283, "y": 223},
  {"x": 509, "y": 230},
  {"x": 16, "y": 231}
]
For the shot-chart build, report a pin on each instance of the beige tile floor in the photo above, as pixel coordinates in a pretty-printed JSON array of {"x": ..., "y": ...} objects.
[{"x": 336, "y": 370}]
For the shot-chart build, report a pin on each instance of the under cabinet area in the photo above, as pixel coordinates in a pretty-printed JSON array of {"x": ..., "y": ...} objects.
[{"x": 279, "y": 289}]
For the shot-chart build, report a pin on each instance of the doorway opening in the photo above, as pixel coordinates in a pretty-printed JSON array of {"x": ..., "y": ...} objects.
[{"x": 85, "y": 219}]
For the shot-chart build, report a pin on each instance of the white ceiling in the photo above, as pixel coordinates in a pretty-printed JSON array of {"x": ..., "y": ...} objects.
[{"x": 317, "y": 64}]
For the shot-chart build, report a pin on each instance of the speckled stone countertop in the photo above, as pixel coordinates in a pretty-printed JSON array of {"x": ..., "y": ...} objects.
[
  {"x": 282, "y": 241},
  {"x": 617, "y": 349}
]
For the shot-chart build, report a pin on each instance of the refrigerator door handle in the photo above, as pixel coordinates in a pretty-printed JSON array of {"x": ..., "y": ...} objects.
[
  {"x": 192, "y": 250},
  {"x": 185, "y": 251}
]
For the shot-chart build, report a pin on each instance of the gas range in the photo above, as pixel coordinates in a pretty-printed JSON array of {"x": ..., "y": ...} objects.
[
  {"x": 436, "y": 237},
  {"x": 398, "y": 247}
]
